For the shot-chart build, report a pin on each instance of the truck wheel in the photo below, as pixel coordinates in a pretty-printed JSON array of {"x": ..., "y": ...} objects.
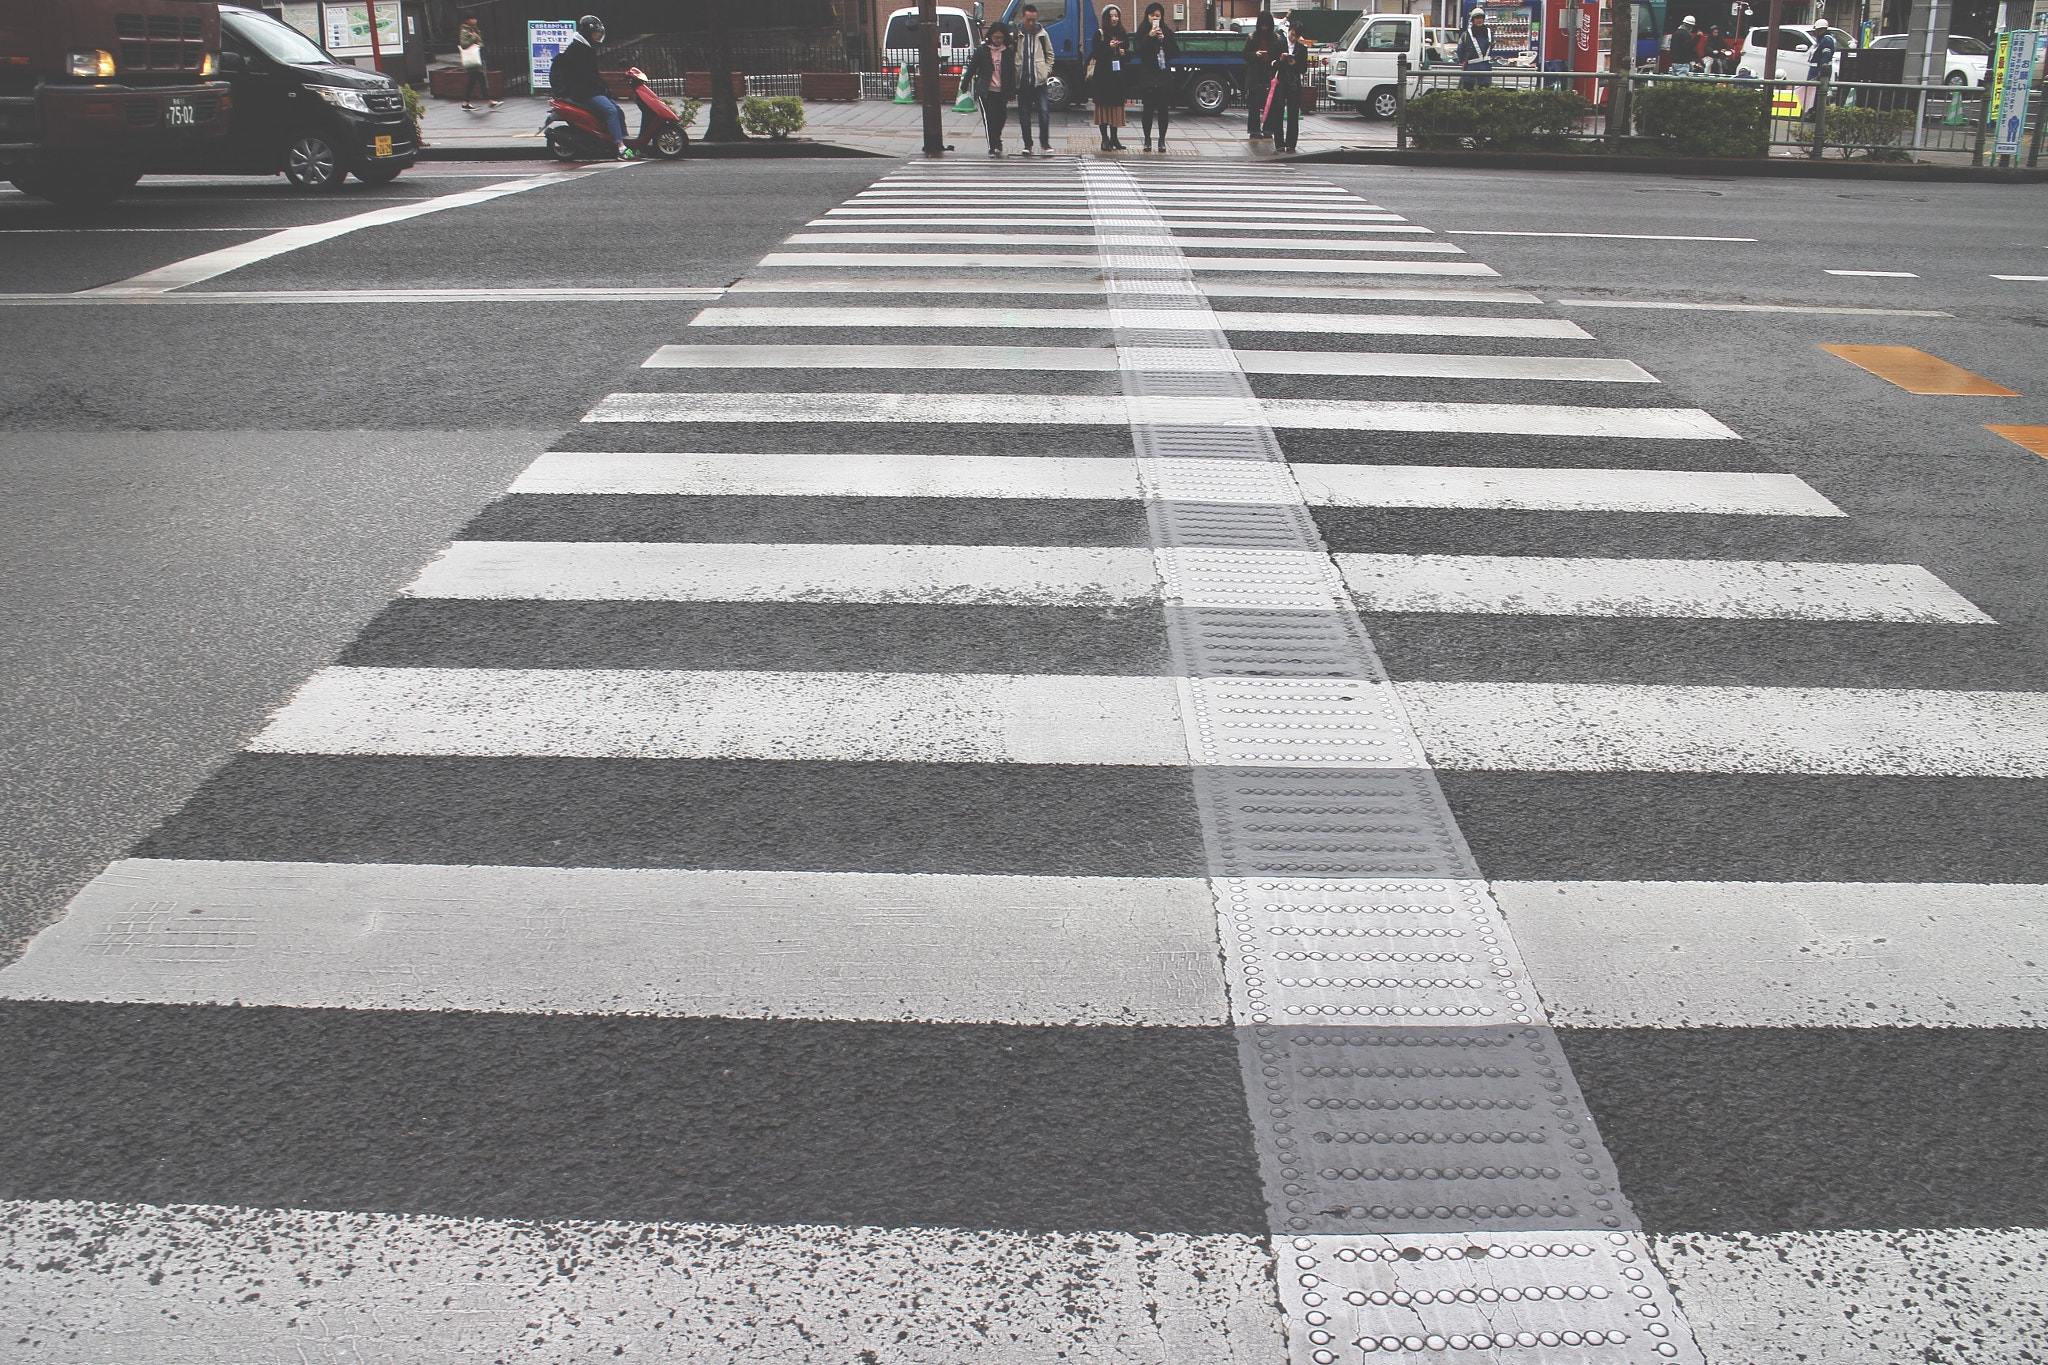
[
  {"x": 78, "y": 189},
  {"x": 312, "y": 162},
  {"x": 1056, "y": 93},
  {"x": 671, "y": 141},
  {"x": 1208, "y": 95},
  {"x": 1384, "y": 103}
]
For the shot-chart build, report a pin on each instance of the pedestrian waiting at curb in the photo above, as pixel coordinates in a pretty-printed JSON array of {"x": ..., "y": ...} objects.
[
  {"x": 1034, "y": 76},
  {"x": 1157, "y": 50},
  {"x": 992, "y": 72},
  {"x": 1283, "y": 98},
  {"x": 1109, "y": 76},
  {"x": 469, "y": 42},
  {"x": 1475, "y": 53},
  {"x": 1261, "y": 50}
]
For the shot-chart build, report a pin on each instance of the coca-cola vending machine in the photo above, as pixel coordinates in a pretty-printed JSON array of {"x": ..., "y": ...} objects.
[{"x": 1571, "y": 41}]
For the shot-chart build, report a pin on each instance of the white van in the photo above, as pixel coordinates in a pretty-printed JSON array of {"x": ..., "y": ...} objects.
[
  {"x": 1363, "y": 70},
  {"x": 901, "y": 44}
]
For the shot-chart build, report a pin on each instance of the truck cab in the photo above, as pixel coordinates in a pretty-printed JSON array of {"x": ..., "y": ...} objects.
[
  {"x": 1365, "y": 68},
  {"x": 93, "y": 93}
]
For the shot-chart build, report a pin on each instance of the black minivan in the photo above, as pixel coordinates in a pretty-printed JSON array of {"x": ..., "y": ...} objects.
[{"x": 299, "y": 110}]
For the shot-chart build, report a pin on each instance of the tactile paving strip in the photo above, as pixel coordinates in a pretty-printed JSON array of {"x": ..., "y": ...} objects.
[
  {"x": 1571, "y": 1298},
  {"x": 1435, "y": 1181}
]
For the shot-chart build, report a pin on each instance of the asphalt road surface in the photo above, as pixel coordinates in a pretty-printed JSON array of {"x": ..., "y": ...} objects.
[{"x": 629, "y": 766}]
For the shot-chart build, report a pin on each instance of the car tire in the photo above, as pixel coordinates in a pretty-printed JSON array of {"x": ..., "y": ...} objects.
[
  {"x": 1209, "y": 95},
  {"x": 1057, "y": 96},
  {"x": 1383, "y": 103},
  {"x": 382, "y": 175},
  {"x": 313, "y": 162}
]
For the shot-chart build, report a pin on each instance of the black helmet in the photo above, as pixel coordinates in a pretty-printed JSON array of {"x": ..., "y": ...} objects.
[{"x": 591, "y": 27}]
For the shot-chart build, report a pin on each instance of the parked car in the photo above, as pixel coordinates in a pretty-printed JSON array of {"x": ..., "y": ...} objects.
[
  {"x": 1969, "y": 60},
  {"x": 299, "y": 110},
  {"x": 1362, "y": 73},
  {"x": 1795, "y": 51}
]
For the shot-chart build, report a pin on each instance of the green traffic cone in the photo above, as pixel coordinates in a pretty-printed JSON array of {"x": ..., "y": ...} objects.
[
  {"x": 1954, "y": 117},
  {"x": 905, "y": 94},
  {"x": 965, "y": 104}
]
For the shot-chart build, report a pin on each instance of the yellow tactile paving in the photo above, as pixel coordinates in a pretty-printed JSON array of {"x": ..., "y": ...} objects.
[
  {"x": 2033, "y": 438},
  {"x": 1915, "y": 371}
]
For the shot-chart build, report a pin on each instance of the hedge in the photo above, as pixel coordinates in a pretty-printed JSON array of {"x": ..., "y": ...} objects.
[
  {"x": 1704, "y": 118},
  {"x": 1495, "y": 119},
  {"x": 777, "y": 116}
]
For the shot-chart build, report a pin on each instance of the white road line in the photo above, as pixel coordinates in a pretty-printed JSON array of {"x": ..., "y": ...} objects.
[
  {"x": 1710, "y": 588},
  {"x": 597, "y": 571},
  {"x": 1215, "y": 289},
  {"x": 198, "y": 1282},
  {"x": 1688, "y": 955},
  {"x": 943, "y": 316},
  {"x": 1401, "y": 364},
  {"x": 215, "y": 263},
  {"x": 1091, "y": 261},
  {"x": 1512, "y": 419},
  {"x": 1090, "y": 222},
  {"x": 1751, "y": 308},
  {"x": 558, "y": 940},
  {"x": 1799, "y": 1298},
  {"x": 892, "y": 476},
  {"x": 739, "y": 714},
  {"x": 1106, "y": 239},
  {"x": 70, "y": 231},
  {"x": 2031, "y": 279},
  {"x": 565, "y": 294},
  {"x": 1603, "y": 236},
  {"x": 1560, "y": 490},
  {"x": 1084, "y": 215},
  {"x": 1878, "y": 274},
  {"x": 1601, "y": 727}
]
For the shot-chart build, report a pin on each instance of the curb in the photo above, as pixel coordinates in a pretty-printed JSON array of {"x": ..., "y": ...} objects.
[
  {"x": 1777, "y": 168},
  {"x": 699, "y": 151}
]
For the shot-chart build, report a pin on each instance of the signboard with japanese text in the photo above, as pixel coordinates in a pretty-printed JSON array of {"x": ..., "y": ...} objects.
[
  {"x": 345, "y": 29},
  {"x": 2012, "y": 84},
  {"x": 545, "y": 38}
]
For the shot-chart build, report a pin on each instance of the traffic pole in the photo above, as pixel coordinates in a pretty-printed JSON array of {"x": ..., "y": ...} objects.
[
  {"x": 377, "y": 48},
  {"x": 928, "y": 73}
]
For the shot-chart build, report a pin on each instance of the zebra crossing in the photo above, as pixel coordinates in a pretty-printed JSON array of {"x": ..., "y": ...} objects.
[{"x": 772, "y": 888}]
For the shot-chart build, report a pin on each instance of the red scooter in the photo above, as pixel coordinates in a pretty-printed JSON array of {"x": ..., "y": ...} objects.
[{"x": 574, "y": 134}]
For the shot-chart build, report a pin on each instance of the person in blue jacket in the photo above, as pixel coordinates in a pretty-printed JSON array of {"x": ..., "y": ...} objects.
[{"x": 1475, "y": 52}]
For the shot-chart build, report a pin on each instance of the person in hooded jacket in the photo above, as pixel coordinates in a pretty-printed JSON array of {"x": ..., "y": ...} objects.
[
  {"x": 575, "y": 76},
  {"x": 1110, "y": 62},
  {"x": 1158, "y": 83},
  {"x": 1261, "y": 50},
  {"x": 992, "y": 71}
]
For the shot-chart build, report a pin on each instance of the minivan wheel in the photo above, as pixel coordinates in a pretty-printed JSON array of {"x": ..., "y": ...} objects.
[
  {"x": 1958, "y": 78},
  {"x": 312, "y": 163},
  {"x": 1208, "y": 96},
  {"x": 671, "y": 141},
  {"x": 1385, "y": 103}
]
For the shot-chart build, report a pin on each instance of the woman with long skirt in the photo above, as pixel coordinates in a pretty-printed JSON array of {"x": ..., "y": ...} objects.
[{"x": 1109, "y": 76}]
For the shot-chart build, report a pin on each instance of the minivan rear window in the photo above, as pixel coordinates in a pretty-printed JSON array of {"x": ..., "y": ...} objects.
[{"x": 902, "y": 32}]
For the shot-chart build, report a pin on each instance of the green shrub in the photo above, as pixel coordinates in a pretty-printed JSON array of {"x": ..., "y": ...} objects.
[
  {"x": 1874, "y": 130},
  {"x": 1703, "y": 118},
  {"x": 778, "y": 116},
  {"x": 1495, "y": 119}
]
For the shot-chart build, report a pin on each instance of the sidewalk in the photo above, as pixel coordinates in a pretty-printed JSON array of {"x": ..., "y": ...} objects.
[{"x": 879, "y": 126}]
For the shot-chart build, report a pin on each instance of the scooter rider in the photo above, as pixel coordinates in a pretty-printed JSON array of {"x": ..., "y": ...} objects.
[{"x": 574, "y": 76}]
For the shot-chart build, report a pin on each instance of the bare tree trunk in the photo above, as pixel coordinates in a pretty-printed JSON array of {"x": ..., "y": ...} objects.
[{"x": 725, "y": 110}]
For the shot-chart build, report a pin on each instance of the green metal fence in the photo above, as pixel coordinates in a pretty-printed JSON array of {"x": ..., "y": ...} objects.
[{"x": 1565, "y": 110}]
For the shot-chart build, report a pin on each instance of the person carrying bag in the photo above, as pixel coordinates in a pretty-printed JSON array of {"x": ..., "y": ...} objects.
[
  {"x": 469, "y": 41},
  {"x": 1109, "y": 76},
  {"x": 1283, "y": 99}
]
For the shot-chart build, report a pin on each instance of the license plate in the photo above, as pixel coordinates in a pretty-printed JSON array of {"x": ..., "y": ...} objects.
[
  {"x": 179, "y": 113},
  {"x": 384, "y": 146}
]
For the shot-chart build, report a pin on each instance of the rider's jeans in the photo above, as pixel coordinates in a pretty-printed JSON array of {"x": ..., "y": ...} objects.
[{"x": 607, "y": 113}]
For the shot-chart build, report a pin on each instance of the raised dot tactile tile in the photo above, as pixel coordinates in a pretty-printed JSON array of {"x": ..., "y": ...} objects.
[{"x": 1435, "y": 1182}]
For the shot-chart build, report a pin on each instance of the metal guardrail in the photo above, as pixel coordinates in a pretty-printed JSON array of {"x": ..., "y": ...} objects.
[{"x": 1890, "y": 122}]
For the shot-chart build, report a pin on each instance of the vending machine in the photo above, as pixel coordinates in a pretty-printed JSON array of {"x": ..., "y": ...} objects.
[{"x": 1571, "y": 41}]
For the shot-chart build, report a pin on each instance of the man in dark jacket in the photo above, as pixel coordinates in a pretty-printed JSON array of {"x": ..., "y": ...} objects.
[{"x": 574, "y": 76}]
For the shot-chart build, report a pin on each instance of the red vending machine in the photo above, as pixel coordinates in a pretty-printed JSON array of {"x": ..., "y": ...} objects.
[{"x": 1571, "y": 41}]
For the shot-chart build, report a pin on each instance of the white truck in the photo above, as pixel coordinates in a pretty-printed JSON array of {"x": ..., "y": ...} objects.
[{"x": 1363, "y": 71}]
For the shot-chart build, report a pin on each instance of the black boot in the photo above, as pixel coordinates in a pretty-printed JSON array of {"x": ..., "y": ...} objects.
[{"x": 1105, "y": 137}]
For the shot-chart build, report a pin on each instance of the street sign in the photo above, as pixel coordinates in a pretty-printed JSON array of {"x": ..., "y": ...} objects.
[
  {"x": 545, "y": 38},
  {"x": 2014, "y": 83},
  {"x": 345, "y": 29}
]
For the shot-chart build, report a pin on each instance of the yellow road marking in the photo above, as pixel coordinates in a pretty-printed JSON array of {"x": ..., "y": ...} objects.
[
  {"x": 1915, "y": 371},
  {"x": 2033, "y": 438}
]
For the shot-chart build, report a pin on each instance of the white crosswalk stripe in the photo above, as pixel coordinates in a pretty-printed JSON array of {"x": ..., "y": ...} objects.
[{"x": 683, "y": 740}]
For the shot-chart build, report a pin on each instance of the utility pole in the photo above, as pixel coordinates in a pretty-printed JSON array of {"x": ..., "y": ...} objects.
[
  {"x": 725, "y": 110},
  {"x": 1621, "y": 60},
  {"x": 1927, "y": 42},
  {"x": 928, "y": 76},
  {"x": 1770, "y": 71}
]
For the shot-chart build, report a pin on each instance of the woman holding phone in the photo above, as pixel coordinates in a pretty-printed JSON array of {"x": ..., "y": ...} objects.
[
  {"x": 1261, "y": 51},
  {"x": 1109, "y": 75},
  {"x": 1156, "y": 50}
]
